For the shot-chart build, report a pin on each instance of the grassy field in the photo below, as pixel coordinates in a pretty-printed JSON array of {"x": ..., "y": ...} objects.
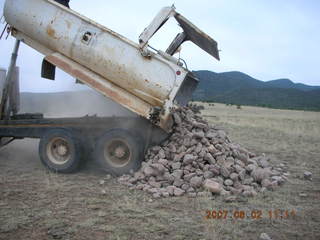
[{"x": 37, "y": 204}]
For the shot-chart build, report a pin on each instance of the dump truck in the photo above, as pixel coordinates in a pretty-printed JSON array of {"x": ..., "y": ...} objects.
[{"x": 147, "y": 81}]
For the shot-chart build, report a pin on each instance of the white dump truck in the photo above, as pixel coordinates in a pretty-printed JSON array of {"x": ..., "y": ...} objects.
[{"x": 147, "y": 81}]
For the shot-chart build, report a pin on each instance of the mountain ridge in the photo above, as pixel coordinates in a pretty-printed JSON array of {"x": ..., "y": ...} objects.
[{"x": 239, "y": 88}]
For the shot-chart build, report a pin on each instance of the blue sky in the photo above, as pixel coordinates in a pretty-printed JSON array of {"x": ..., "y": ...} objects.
[{"x": 265, "y": 39}]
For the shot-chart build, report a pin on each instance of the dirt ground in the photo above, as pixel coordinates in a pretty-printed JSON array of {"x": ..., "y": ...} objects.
[{"x": 37, "y": 204}]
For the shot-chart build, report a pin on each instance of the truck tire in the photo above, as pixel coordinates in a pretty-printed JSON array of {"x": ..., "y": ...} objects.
[
  {"x": 119, "y": 152},
  {"x": 60, "y": 151}
]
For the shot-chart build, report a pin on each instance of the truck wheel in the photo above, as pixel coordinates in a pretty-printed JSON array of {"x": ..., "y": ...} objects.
[
  {"x": 60, "y": 151},
  {"x": 119, "y": 152}
]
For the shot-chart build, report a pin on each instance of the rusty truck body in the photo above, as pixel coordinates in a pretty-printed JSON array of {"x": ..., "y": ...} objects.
[{"x": 147, "y": 81}]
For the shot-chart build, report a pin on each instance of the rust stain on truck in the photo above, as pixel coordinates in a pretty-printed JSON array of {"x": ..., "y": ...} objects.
[{"x": 51, "y": 32}]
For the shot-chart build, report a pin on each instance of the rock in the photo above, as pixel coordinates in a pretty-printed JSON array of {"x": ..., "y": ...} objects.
[
  {"x": 188, "y": 158},
  {"x": 168, "y": 177},
  {"x": 212, "y": 186},
  {"x": 176, "y": 165},
  {"x": 189, "y": 176},
  {"x": 161, "y": 153},
  {"x": 177, "y": 174},
  {"x": 160, "y": 169},
  {"x": 170, "y": 190},
  {"x": 149, "y": 171},
  {"x": 155, "y": 184},
  {"x": 192, "y": 194},
  {"x": 178, "y": 192},
  {"x": 198, "y": 156},
  {"x": 238, "y": 168},
  {"x": 264, "y": 236},
  {"x": 177, "y": 118},
  {"x": 156, "y": 195},
  {"x": 233, "y": 176},
  {"x": 198, "y": 134},
  {"x": 212, "y": 149},
  {"x": 247, "y": 181},
  {"x": 307, "y": 175},
  {"x": 230, "y": 199},
  {"x": 251, "y": 167},
  {"x": 178, "y": 182},
  {"x": 101, "y": 182},
  {"x": 208, "y": 174},
  {"x": 228, "y": 182},
  {"x": 165, "y": 194},
  {"x": 211, "y": 135},
  {"x": 185, "y": 187},
  {"x": 224, "y": 172},
  {"x": 259, "y": 174},
  {"x": 164, "y": 162},
  {"x": 208, "y": 157},
  {"x": 266, "y": 183},
  {"x": 249, "y": 193},
  {"x": 303, "y": 195},
  {"x": 103, "y": 192},
  {"x": 242, "y": 174},
  {"x": 196, "y": 182}
]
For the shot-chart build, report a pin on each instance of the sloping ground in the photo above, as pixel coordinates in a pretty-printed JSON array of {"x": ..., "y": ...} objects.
[{"x": 36, "y": 204}]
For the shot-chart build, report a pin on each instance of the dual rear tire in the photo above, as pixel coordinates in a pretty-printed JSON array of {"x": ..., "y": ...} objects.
[{"x": 117, "y": 151}]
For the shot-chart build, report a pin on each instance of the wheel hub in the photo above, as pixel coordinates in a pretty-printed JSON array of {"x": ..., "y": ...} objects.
[
  {"x": 62, "y": 150},
  {"x": 58, "y": 151},
  {"x": 119, "y": 152}
]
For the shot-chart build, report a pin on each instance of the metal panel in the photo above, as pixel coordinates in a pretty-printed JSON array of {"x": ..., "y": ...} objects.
[
  {"x": 198, "y": 37},
  {"x": 96, "y": 47}
]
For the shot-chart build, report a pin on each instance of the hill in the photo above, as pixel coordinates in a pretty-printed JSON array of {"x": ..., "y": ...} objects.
[{"x": 240, "y": 88}]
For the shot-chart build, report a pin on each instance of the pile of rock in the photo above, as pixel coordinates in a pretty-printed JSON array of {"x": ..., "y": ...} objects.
[{"x": 198, "y": 159}]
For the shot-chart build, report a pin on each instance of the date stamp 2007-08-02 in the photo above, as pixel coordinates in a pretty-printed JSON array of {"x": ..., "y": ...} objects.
[{"x": 250, "y": 214}]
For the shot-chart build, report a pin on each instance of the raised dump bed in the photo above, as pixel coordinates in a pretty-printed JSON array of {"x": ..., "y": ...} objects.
[
  {"x": 145, "y": 81},
  {"x": 148, "y": 82}
]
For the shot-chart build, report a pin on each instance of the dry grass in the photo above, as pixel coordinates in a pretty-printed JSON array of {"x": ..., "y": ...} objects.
[{"x": 35, "y": 203}]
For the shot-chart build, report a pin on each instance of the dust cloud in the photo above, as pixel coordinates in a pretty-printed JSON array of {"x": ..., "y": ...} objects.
[{"x": 72, "y": 104}]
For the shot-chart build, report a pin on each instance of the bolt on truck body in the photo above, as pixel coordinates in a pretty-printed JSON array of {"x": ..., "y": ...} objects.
[{"x": 148, "y": 82}]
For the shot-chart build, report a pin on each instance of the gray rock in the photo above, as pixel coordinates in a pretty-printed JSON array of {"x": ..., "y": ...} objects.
[
  {"x": 188, "y": 158},
  {"x": 198, "y": 134},
  {"x": 177, "y": 174},
  {"x": 266, "y": 183},
  {"x": 178, "y": 192},
  {"x": 251, "y": 167},
  {"x": 228, "y": 182},
  {"x": 149, "y": 171},
  {"x": 160, "y": 169},
  {"x": 208, "y": 157},
  {"x": 233, "y": 176},
  {"x": 176, "y": 165},
  {"x": 170, "y": 190},
  {"x": 164, "y": 162},
  {"x": 212, "y": 186},
  {"x": 208, "y": 174},
  {"x": 307, "y": 175},
  {"x": 224, "y": 172},
  {"x": 264, "y": 236},
  {"x": 189, "y": 176},
  {"x": 196, "y": 182},
  {"x": 178, "y": 182},
  {"x": 259, "y": 174}
]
